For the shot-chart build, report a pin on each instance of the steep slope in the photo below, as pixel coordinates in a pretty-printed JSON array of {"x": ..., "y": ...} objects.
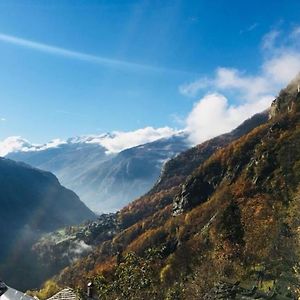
[
  {"x": 36, "y": 198},
  {"x": 176, "y": 170},
  {"x": 32, "y": 202},
  {"x": 105, "y": 182},
  {"x": 234, "y": 218},
  {"x": 67, "y": 161},
  {"x": 59, "y": 244},
  {"x": 128, "y": 175}
]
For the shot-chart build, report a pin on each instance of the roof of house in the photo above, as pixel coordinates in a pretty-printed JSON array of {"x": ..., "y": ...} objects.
[
  {"x": 3, "y": 288},
  {"x": 12, "y": 294},
  {"x": 65, "y": 294}
]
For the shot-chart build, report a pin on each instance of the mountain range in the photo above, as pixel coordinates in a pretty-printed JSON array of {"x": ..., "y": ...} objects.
[
  {"x": 222, "y": 221},
  {"x": 107, "y": 181},
  {"x": 103, "y": 180},
  {"x": 57, "y": 250}
]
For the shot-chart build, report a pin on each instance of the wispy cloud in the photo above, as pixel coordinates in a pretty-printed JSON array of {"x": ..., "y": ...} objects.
[
  {"x": 2, "y": 119},
  {"x": 191, "y": 89},
  {"x": 177, "y": 119},
  {"x": 281, "y": 63},
  {"x": 250, "y": 28},
  {"x": 54, "y": 50},
  {"x": 295, "y": 33},
  {"x": 269, "y": 39}
]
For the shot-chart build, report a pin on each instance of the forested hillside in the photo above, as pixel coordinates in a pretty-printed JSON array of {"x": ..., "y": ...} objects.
[{"x": 235, "y": 218}]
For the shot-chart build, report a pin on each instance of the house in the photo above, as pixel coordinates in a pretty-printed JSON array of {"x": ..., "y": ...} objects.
[
  {"x": 3, "y": 288},
  {"x": 70, "y": 294},
  {"x": 7, "y": 293},
  {"x": 65, "y": 294}
]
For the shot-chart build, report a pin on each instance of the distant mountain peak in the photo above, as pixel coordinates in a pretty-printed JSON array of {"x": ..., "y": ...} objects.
[
  {"x": 92, "y": 138},
  {"x": 104, "y": 179}
]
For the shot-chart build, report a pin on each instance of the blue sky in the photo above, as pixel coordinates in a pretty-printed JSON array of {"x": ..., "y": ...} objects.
[{"x": 77, "y": 67}]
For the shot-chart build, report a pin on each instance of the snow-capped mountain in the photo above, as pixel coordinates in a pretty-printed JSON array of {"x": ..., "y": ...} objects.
[
  {"x": 107, "y": 171},
  {"x": 18, "y": 144}
]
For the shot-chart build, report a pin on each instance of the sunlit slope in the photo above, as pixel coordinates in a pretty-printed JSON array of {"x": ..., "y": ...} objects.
[
  {"x": 57, "y": 250},
  {"x": 235, "y": 217}
]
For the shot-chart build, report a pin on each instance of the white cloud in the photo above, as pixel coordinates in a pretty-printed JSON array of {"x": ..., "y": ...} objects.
[
  {"x": 213, "y": 115},
  {"x": 17, "y": 143},
  {"x": 229, "y": 79},
  {"x": 250, "y": 28},
  {"x": 52, "y": 144},
  {"x": 283, "y": 68},
  {"x": 281, "y": 63},
  {"x": 295, "y": 32},
  {"x": 177, "y": 119},
  {"x": 2, "y": 119},
  {"x": 269, "y": 40},
  {"x": 191, "y": 89},
  {"x": 121, "y": 140},
  {"x": 247, "y": 87},
  {"x": 11, "y": 144},
  {"x": 71, "y": 54}
]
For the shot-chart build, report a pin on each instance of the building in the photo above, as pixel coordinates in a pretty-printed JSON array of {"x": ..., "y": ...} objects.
[
  {"x": 7, "y": 293},
  {"x": 70, "y": 294},
  {"x": 65, "y": 294}
]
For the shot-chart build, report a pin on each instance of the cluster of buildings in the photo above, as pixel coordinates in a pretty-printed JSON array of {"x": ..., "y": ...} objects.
[{"x": 8, "y": 293}]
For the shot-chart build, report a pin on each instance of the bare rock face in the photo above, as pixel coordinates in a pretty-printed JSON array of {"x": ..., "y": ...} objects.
[
  {"x": 243, "y": 204},
  {"x": 288, "y": 99},
  {"x": 176, "y": 170},
  {"x": 194, "y": 192},
  {"x": 197, "y": 188}
]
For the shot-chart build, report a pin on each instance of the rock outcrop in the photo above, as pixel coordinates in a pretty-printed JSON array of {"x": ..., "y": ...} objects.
[{"x": 287, "y": 100}]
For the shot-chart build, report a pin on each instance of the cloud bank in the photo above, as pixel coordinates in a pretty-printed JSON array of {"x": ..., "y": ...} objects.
[
  {"x": 213, "y": 115},
  {"x": 113, "y": 143},
  {"x": 12, "y": 144},
  {"x": 120, "y": 140},
  {"x": 17, "y": 143}
]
